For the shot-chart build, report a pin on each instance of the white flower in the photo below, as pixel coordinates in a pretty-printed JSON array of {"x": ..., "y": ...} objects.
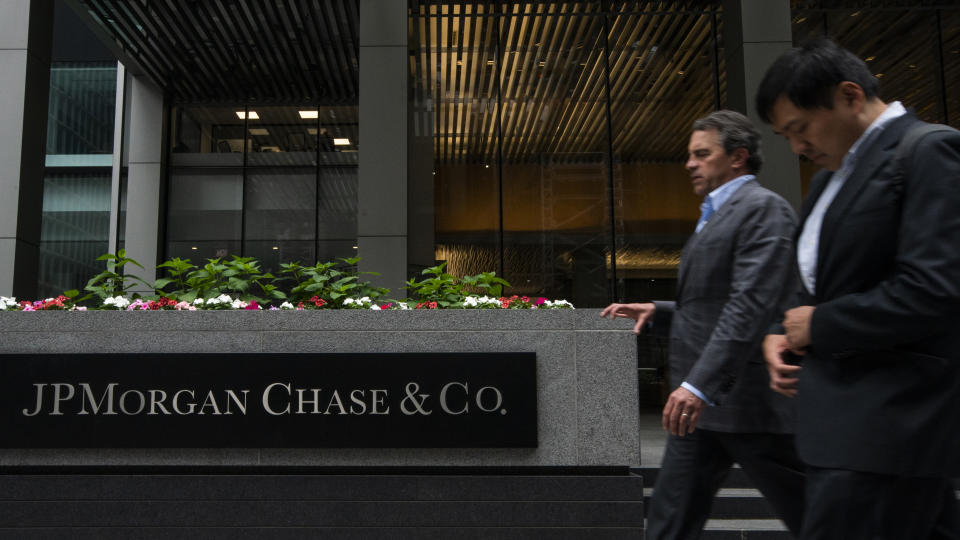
[
  {"x": 118, "y": 302},
  {"x": 403, "y": 305},
  {"x": 7, "y": 301},
  {"x": 470, "y": 301},
  {"x": 199, "y": 301},
  {"x": 375, "y": 307},
  {"x": 365, "y": 300},
  {"x": 286, "y": 305},
  {"x": 238, "y": 304},
  {"x": 347, "y": 301},
  {"x": 225, "y": 299}
]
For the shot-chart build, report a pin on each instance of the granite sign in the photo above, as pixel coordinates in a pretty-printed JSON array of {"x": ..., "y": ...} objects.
[{"x": 328, "y": 400}]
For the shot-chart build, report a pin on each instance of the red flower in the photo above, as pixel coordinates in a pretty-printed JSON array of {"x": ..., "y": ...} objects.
[
  {"x": 524, "y": 299},
  {"x": 433, "y": 305},
  {"x": 253, "y": 305},
  {"x": 317, "y": 301},
  {"x": 299, "y": 305}
]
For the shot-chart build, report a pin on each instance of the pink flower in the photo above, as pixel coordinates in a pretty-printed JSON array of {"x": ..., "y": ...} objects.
[
  {"x": 252, "y": 306},
  {"x": 540, "y": 301}
]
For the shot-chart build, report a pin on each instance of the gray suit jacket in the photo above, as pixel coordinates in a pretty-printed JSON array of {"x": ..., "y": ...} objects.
[{"x": 734, "y": 277}]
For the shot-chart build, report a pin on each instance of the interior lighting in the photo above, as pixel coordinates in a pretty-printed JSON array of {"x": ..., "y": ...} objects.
[
  {"x": 193, "y": 248},
  {"x": 252, "y": 115},
  {"x": 276, "y": 247},
  {"x": 355, "y": 247},
  {"x": 259, "y": 131},
  {"x": 309, "y": 115},
  {"x": 879, "y": 75},
  {"x": 341, "y": 142},
  {"x": 871, "y": 58}
]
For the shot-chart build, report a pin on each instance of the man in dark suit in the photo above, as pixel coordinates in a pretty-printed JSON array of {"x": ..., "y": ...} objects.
[
  {"x": 877, "y": 320},
  {"x": 730, "y": 286}
]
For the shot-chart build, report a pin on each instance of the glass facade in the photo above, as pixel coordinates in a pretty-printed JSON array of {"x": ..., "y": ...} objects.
[
  {"x": 551, "y": 134},
  {"x": 75, "y": 225},
  {"x": 278, "y": 183},
  {"x": 559, "y": 131}
]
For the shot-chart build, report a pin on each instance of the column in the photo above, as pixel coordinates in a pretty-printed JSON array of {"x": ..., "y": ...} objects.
[
  {"x": 755, "y": 33},
  {"x": 25, "y": 37},
  {"x": 144, "y": 112},
  {"x": 382, "y": 205}
]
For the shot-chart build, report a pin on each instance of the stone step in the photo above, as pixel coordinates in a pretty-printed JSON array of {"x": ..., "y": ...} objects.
[
  {"x": 744, "y": 529},
  {"x": 734, "y": 503}
]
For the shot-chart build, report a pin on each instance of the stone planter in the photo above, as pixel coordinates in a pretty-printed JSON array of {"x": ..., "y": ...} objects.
[{"x": 586, "y": 375}]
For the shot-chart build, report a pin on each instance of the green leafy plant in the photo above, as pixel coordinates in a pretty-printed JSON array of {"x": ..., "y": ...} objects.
[
  {"x": 112, "y": 282},
  {"x": 178, "y": 269},
  {"x": 447, "y": 291}
]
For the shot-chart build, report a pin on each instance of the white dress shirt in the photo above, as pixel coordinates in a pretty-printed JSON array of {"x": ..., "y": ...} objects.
[{"x": 809, "y": 241}]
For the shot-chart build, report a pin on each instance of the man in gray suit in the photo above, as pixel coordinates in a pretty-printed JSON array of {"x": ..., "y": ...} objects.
[{"x": 732, "y": 280}]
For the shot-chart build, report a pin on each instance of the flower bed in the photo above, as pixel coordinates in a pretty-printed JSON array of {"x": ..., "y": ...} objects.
[{"x": 238, "y": 284}]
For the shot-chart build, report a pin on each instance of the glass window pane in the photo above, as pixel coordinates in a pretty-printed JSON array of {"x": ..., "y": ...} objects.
[
  {"x": 453, "y": 135},
  {"x": 81, "y": 108},
  {"x": 662, "y": 78},
  {"x": 280, "y": 214},
  {"x": 75, "y": 229},
  {"x": 556, "y": 174},
  {"x": 204, "y": 213},
  {"x": 207, "y": 135}
]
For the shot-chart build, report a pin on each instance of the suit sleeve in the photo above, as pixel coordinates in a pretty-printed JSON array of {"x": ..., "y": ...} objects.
[
  {"x": 761, "y": 269},
  {"x": 921, "y": 296}
]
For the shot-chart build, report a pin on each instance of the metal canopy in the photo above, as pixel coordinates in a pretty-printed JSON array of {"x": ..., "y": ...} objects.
[{"x": 288, "y": 51}]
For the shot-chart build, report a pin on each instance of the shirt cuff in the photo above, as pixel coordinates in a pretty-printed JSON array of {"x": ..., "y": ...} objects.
[{"x": 693, "y": 390}]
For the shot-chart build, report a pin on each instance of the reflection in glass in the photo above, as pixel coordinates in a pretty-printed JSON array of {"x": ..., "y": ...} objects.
[
  {"x": 204, "y": 216},
  {"x": 531, "y": 79},
  {"x": 75, "y": 229},
  {"x": 81, "y": 108},
  {"x": 662, "y": 78},
  {"x": 453, "y": 129},
  {"x": 280, "y": 212}
]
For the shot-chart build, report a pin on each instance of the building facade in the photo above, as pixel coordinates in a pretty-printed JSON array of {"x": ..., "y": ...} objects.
[{"x": 543, "y": 140}]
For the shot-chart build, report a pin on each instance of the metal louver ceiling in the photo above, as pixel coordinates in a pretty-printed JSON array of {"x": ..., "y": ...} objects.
[
  {"x": 288, "y": 51},
  {"x": 533, "y": 77}
]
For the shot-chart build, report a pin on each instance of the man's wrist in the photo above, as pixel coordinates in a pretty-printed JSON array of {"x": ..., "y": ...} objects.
[{"x": 695, "y": 391}]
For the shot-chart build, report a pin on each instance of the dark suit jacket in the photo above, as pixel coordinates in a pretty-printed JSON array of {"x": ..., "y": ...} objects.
[
  {"x": 731, "y": 284},
  {"x": 880, "y": 388}
]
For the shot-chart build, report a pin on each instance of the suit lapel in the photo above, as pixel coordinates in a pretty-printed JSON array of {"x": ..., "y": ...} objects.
[
  {"x": 714, "y": 222},
  {"x": 879, "y": 152}
]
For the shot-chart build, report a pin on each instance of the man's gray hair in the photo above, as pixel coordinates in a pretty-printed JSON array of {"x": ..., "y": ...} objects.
[{"x": 736, "y": 131}]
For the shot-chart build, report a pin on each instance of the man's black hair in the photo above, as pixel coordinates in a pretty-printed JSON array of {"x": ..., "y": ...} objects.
[
  {"x": 807, "y": 76},
  {"x": 735, "y": 131}
]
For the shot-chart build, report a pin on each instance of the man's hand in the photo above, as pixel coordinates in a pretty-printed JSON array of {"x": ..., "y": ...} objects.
[
  {"x": 681, "y": 412},
  {"x": 639, "y": 312},
  {"x": 783, "y": 376},
  {"x": 796, "y": 322}
]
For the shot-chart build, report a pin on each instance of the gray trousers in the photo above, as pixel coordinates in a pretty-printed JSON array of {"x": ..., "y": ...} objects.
[{"x": 694, "y": 467}]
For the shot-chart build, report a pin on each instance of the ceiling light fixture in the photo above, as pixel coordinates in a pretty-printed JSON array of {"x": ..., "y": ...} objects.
[
  {"x": 309, "y": 115},
  {"x": 341, "y": 142},
  {"x": 259, "y": 131},
  {"x": 252, "y": 115}
]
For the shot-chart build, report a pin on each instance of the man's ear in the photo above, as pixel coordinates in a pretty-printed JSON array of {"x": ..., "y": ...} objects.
[
  {"x": 850, "y": 94},
  {"x": 740, "y": 156}
]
